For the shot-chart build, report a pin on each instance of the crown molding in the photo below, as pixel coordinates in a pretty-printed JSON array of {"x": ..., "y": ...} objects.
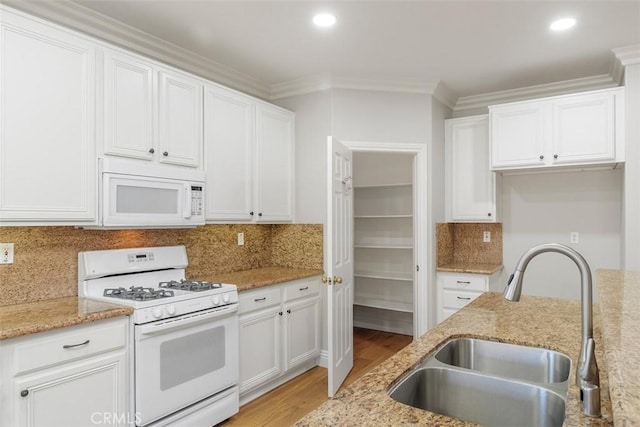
[
  {"x": 94, "y": 24},
  {"x": 627, "y": 55},
  {"x": 476, "y": 102},
  {"x": 324, "y": 81}
]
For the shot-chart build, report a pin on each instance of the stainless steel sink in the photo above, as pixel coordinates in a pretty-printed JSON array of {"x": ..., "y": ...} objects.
[
  {"x": 480, "y": 398},
  {"x": 489, "y": 383},
  {"x": 506, "y": 360}
]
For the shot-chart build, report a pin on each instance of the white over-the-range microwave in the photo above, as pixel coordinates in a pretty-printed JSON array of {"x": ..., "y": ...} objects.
[{"x": 134, "y": 195}]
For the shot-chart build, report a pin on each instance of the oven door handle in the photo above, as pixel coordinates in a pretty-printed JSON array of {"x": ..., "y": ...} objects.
[{"x": 180, "y": 322}]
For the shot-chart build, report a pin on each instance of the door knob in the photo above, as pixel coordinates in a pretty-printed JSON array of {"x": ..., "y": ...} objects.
[
  {"x": 326, "y": 279},
  {"x": 337, "y": 279}
]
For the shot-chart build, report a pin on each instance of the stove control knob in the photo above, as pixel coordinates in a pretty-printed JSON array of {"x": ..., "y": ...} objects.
[
  {"x": 225, "y": 298},
  {"x": 216, "y": 300},
  {"x": 171, "y": 310},
  {"x": 157, "y": 312}
]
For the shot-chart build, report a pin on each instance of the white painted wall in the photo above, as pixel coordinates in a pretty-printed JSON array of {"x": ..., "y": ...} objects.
[
  {"x": 631, "y": 244},
  {"x": 437, "y": 113},
  {"x": 545, "y": 208},
  {"x": 374, "y": 116},
  {"x": 313, "y": 126}
]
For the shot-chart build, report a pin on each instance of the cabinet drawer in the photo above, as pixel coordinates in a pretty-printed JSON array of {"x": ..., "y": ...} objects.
[
  {"x": 456, "y": 299},
  {"x": 259, "y": 298},
  {"x": 467, "y": 282},
  {"x": 77, "y": 342},
  {"x": 301, "y": 289}
]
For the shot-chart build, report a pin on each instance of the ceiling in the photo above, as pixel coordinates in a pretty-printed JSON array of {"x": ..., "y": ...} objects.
[{"x": 472, "y": 47}]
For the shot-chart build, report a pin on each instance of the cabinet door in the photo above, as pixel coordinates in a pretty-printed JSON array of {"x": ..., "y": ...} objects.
[
  {"x": 128, "y": 106},
  {"x": 302, "y": 331},
  {"x": 584, "y": 128},
  {"x": 470, "y": 184},
  {"x": 260, "y": 347},
  {"x": 179, "y": 119},
  {"x": 47, "y": 110},
  {"x": 517, "y": 135},
  {"x": 80, "y": 394},
  {"x": 274, "y": 181},
  {"x": 229, "y": 135}
]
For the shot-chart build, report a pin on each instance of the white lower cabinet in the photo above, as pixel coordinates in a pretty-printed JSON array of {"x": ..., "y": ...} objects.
[
  {"x": 279, "y": 334},
  {"x": 455, "y": 290},
  {"x": 75, "y": 376}
]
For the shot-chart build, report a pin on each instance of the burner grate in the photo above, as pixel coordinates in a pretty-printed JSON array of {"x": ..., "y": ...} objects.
[
  {"x": 137, "y": 293},
  {"x": 190, "y": 285}
]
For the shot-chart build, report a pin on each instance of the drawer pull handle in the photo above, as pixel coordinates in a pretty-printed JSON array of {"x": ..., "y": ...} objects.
[
  {"x": 76, "y": 345},
  {"x": 463, "y": 282},
  {"x": 260, "y": 299},
  {"x": 304, "y": 289},
  {"x": 464, "y": 298}
]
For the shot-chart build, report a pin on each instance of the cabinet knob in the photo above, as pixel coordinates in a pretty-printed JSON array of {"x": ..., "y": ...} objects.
[
  {"x": 259, "y": 213},
  {"x": 289, "y": 311},
  {"x": 251, "y": 213},
  {"x": 166, "y": 153},
  {"x": 24, "y": 393},
  {"x": 280, "y": 313},
  {"x": 489, "y": 214},
  {"x": 151, "y": 150},
  {"x": 541, "y": 157},
  {"x": 555, "y": 156}
]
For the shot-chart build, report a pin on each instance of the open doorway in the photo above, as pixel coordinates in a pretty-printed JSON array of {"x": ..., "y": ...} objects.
[{"x": 384, "y": 241}]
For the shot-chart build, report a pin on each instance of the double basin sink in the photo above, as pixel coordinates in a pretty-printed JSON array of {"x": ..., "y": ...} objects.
[{"x": 489, "y": 383}]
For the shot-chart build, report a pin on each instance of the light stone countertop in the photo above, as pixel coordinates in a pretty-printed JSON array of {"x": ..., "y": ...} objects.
[
  {"x": 265, "y": 276},
  {"x": 619, "y": 300},
  {"x": 29, "y": 318},
  {"x": 468, "y": 267},
  {"x": 535, "y": 321}
]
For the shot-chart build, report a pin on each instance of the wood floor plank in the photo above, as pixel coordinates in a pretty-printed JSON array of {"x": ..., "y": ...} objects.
[{"x": 291, "y": 401}]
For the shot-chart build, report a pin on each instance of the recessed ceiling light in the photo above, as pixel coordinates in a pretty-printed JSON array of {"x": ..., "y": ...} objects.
[
  {"x": 324, "y": 20},
  {"x": 562, "y": 24}
]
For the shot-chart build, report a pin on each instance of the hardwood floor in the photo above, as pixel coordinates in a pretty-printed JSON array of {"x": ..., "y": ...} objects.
[{"x": 291, "y": 401}]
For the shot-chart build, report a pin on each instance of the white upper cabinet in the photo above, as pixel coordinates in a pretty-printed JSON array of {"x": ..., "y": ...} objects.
[
  {"x": 470, "y": 184},
  {"x": 229, "y": 135},
  {"x": 128, "y": 106},
  {"x": 47, "y": 110},
  {"x": 248, "y": 150},
  {"x": 274, "y": 165},
  {"x": 581, "y": 129},
  {"x": 150, "y": 112},
  {"x": 179, "y": 118}
]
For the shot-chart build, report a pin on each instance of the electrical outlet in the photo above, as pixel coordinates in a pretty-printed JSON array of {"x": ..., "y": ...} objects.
[
  {"x": 486, "y": 237},
  {"x": 240, "y": 239},
  {"x": 574, "y": 237},
  {"x": 6, "y": 253}
]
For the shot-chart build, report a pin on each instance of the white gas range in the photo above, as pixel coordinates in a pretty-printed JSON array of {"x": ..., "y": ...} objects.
[{"x": 185, "y": 333}]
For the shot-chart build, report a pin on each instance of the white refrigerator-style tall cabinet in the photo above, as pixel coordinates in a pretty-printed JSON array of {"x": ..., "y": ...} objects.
[{"x": 383, "y": 242}]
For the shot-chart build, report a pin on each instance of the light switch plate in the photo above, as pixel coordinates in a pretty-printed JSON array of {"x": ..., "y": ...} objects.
[{"x": 6, "y": 253}]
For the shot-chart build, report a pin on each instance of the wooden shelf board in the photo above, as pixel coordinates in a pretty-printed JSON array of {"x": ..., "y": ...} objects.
[
  {"x": 401, "y": 184},
  {"x": 403, "y": 277},
  {"x": 372, "y": 246},
  {"x": 383, "y": 216},
  {"x": 383, "y": 304}
]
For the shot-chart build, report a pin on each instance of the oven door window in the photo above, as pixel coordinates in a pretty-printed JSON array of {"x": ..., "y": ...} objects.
[
  {"x": 184, "y": 362},
  {"x": 184, "y": 359}
]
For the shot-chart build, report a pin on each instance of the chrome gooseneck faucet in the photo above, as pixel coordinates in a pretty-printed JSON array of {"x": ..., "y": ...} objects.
[{"x": 587, "y": 374}]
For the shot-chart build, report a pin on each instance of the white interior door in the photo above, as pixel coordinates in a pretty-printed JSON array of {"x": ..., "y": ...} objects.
[{"x": 339, "y": 263}]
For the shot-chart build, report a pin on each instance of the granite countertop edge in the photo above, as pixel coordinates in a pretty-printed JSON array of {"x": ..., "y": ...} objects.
[
  {"x": 256, "y": 278},
  {"x": 473, "y": 268},
  {"x": 41, "y": 316}
]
